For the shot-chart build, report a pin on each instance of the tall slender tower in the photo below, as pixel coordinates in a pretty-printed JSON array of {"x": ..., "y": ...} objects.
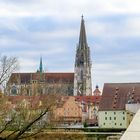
[
  {"x": 41, "y": 66},
  {"x": 82, "y": 72}
]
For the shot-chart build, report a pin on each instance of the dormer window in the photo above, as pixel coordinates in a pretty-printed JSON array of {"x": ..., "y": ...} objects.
[
  {"x": 117, "y": 88},
  {"x": 34, "y": 81}
]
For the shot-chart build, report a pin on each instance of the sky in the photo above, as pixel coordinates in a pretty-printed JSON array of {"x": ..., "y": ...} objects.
[{"x": 50, "y": 28}]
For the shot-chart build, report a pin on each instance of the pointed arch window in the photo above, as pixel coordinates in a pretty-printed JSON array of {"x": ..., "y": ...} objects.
[
  {"x": 81, "y": 75},
  {"x": 82, "y": 59},
  {"x": 14, "y": 90}
]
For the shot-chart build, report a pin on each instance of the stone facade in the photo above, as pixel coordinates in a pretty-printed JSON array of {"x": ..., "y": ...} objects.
[
  {"x": 82, "y": 74},
  {"x": 32, "y": 84}
]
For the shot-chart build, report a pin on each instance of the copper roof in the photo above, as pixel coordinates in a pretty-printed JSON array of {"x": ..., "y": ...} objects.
[{"x": 116, "y": 95}]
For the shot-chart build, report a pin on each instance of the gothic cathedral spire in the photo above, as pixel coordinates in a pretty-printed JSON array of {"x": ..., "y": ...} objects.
[
  {"x": 82, "y": 72},
  {"x": 82, "y": 37},
  {"x": 41, "y": 66}
]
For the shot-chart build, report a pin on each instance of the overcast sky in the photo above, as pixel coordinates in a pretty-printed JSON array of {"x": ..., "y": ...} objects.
[{"x": 50, "y": 28}]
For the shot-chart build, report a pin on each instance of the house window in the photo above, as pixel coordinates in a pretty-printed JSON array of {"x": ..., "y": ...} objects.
[
  {"x": 120, "y": 124},
  {"x": 123, "y": 112},
  {"x": 115, "y": 124},
  {"x": 114, "y": 118},
  {"x": 114, "y": 113},
  {"x": 123, "y": 118},
  {"x": 105, "y": 118},
  {"x": 104, "y": 123},
  {"x": 105, "y": 112},
  {"x": 110, "y": 118}
]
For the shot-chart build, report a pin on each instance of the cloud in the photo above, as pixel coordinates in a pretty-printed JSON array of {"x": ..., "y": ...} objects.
[
  {"x": 122, "y": 67},
  {"x": 71, "y": 8},
  {"x": 28, "y": 65},
  {"x": 30, "y": 28},
  {"x": 121, "y": 27}
]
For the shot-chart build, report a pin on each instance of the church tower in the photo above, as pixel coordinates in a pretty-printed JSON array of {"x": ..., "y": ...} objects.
[
  {"x": 82, "y": 71},
  {"x": 41, "y": 65}
]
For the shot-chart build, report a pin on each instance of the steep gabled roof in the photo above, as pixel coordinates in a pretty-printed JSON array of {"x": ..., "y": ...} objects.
[
  {"x": 97, "y": 92},
  {"x": 116, "y": 95},
  {"x": 56, "y": 77},
  {"x": 23, "y": 78}
]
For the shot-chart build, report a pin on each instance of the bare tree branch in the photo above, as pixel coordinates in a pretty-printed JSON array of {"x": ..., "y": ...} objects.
[
  {"x": 7, "y": 66},
  {"x": 6, "y": 125},
  {"x": 30, "y": 124}
]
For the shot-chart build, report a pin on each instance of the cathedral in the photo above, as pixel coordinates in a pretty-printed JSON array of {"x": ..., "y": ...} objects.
[{"x": 40, "y": 82}]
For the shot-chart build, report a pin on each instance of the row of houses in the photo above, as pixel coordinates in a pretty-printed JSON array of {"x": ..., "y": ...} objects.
[
  {"x": 114, "y": 108},
  {"x": 67, "y": 109}
]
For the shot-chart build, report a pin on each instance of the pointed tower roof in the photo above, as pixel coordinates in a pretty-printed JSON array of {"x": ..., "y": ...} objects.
[
  {"x": 41, "y": 65},
  {"x": 97, "y": 92},
  {"x": 82, "y": 37}
]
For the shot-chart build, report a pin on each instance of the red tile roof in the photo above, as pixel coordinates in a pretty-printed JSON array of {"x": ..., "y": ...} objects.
[
  {"x": 88, "y": 99},
  {"x": 62, "y": 100},
  {"x": 34, "y": 101},
  {"x": 116, "y": 95}
]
